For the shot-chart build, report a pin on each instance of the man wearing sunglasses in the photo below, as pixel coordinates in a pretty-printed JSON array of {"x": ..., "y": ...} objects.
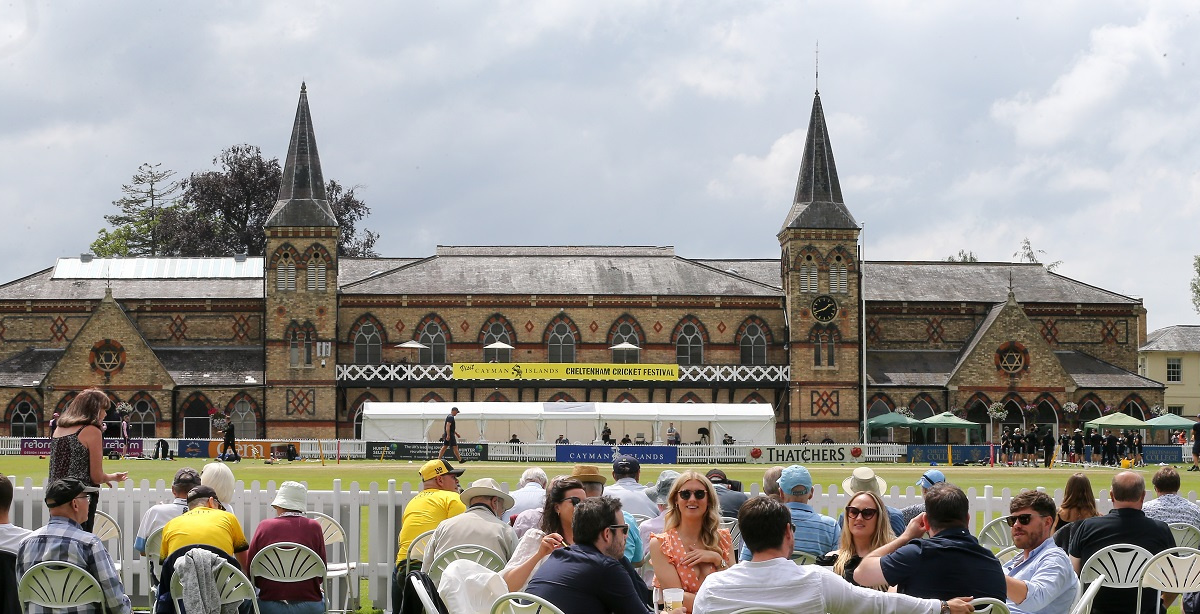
[
  {"x": 948, "y": 563},
  {"x": 816, "y": 533},
  {"x": 1040, "y": 578}
]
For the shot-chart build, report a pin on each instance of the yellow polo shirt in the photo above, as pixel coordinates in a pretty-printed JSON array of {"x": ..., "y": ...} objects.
[
  {"x": 423, "y": 513},
  {"x": 204, "y": 525}
]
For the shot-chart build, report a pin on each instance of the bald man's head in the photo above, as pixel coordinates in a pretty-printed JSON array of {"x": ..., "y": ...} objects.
[{"x": 1128, "y": 489}]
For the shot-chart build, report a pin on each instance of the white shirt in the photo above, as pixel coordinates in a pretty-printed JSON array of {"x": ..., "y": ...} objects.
[
  {"x": 528, "y": 497},
  {"x": 156, "y": 518},
  {"x": 633, "y": 497},
  {"x": 11, "y": 537},
  {"x": 799, "y": 589}
]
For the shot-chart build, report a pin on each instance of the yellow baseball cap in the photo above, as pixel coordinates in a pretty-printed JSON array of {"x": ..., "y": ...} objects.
[{"x": 437, "y": 467}]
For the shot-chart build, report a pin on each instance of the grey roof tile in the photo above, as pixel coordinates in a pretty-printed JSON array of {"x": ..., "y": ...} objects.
[
  {"x": 302, "y": 200},
  {"x": 40, "y": 286},
  {"x": 921, "y": 368},
  {"x": 351, "y": 270},
  {"x": 978, "y": 282},
  {"x": 1091, "y": 372},
  {"x": 763, "y": 271},
  {"x": 28, "y": 368},
  {"x": 214, "y": 366},
  {"x": 1178, "y": 338}
]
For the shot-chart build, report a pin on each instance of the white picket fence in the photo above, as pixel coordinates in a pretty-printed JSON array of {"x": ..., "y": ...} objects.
[{"x": 371, "y": 517}]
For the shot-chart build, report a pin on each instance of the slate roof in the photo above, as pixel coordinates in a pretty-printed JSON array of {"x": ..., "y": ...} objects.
[
  {"x": 27, "y": 367},
  {"x": 920, "y": 368},
  {"x": 302, "y": 200},
  {"x": 583, "y": 270},
  {"x": 818, "y": 202},
  {"x": 760, "y": 270},
  {"x": 978, "y": 282},
  {"x": 1090, "y": 372},
  {"x": 351, "y": 270},
  {"x": 41, "y": 286},
  {"x": 213, "y": 366},
  {"x": 1179, "y": 338}
]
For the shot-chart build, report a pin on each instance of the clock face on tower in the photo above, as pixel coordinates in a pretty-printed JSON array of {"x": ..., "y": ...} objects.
[{"x": 824, "y": 308}]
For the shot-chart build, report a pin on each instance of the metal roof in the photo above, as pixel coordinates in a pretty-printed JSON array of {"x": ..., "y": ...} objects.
[
  {"x": 157, "y": 268},
  {"x": 1178, "y": 338}
]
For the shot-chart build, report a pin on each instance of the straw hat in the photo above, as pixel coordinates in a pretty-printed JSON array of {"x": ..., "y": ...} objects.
[
  {"x": 486, "y": 487},
  {"x": 588, "y": 473},
  {"x": 864, "y": 478}
]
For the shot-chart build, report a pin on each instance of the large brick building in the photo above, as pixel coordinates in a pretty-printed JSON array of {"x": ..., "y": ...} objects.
[{"x": 292, "y": 343}]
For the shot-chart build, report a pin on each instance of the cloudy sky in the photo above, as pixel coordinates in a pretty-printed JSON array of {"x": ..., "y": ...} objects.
[{"x": 954, "y": 125}]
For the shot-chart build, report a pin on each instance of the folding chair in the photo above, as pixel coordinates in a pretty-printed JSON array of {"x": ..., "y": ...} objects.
[
  {"x": 345, "y": 566},
  {"x": 479, "y": 554},
  {"x": 153, "y": 561},
  {"x": 989, "y": 605},
  {"x": 233, "y": 585},
  {"x": 1185, "y": 535},
  {"x": 995, "y": 535},
  {"x": 106, "y": 528},
  {"x": 1119, "y": 565},
  {"x": 801, "y": 557},
  {"x": 1174, "y": 570},
  {"x": 511, "y": 603},
  {"x": 287, "y": 562},
  {"x": 1083, "y": 604},
  {"x": 59, "y": 585},
  {"x": 416, "y": 551},
  {"x": 430, "y": 602},
  {"x": 1008, "y": 554}
]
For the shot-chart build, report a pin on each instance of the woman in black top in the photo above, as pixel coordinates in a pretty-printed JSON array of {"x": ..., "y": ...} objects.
[
  {"x": 77, "y": 446},
  {"x": 866, "y": 528}
]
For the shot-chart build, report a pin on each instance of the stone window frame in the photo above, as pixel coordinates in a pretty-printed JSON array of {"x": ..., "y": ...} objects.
[
  {"x": 497, "y": 328},
  {"x": 562, "y": 339},
  {"x": 27, "y": 409},
  {"x": 748, "y": 342},
  {"x": 143, "y": 416},
  {"x": 689, "y": 344},
  {"x": 366, "y": 350}
]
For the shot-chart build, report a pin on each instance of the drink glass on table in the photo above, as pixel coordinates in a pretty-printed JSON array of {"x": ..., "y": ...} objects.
[{"x": 673, "y": 598}]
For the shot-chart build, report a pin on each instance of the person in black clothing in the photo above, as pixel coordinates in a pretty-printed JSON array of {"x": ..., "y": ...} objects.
[
  {"x": 227, "y": 444},
  {"x": 1077, "y": 452},
  {"x": 1018, "y": 446},
  {"x": 1048, "y": 446},
  {"x": 1138, "y": 459},
  {"x": 1097, "y": 445},
  {"x": 1110, "y": 448},
  {"x": 1195, "y": 447},
  {"x": 1031, "y": 447},
  {"x": 450, "y": 436},
  {"x": 1064, "y": 446},
  {"x": 1005, "y": 446}
]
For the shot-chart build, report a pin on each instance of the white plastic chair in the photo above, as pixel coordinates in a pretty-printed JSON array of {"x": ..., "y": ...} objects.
[
  {"x": 1174, "y": 570},
  {"x": 1008, "y": 554},
  {"x": 1083, "y": 605},
  {"x": 1185, "y": 535},
  {"x": 232, "y": 584},
  {"x": 105, "y": 528},
  {"x": 510, "y": 603},
  {"x": 801, "y": 557},
  {"x": 427, "y": 602},
  {"x": 989, "y": 605},
  {"x": 416, "y": 551},
  {"x": 640, "y": 518},
  {"x": 287, "y": 562},
  {"x": 153, "y": 561},
  {"x": 996, "y": 535},
  {"x": 1119, "y": 566},
  {"x": 345, "y": 566},
  {"x": 479, "y": 554},
  {"x": 59, "y": 585}
]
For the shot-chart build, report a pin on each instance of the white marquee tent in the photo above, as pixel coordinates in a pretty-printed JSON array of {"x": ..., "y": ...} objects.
[{"x": 579, "y": 422}]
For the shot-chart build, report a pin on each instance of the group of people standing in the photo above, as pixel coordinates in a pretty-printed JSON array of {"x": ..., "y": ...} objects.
[
  {"x": 1021, "y": 449},
  {"x": 1092, "y": 447}
]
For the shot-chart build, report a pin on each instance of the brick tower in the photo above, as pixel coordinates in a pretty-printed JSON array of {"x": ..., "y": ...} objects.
[
  {"x": 300, "y": 293},
  {"x": 821, "y": 284}
]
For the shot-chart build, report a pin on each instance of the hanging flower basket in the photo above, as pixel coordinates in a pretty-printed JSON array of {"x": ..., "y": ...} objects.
[
  {"x": 1108, "y": 409},
  {"x": 1070, "y": 408},
  {"x": 904, "y": 411},
  {"x": 1029, "y": 408},
  {"x": 1158, "y": 410},
  {"x": 997, "y": 411},
  {"x": 123, "y": 408}
]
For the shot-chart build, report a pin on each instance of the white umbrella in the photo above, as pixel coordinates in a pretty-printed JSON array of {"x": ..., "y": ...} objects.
[
  {"x": 499, "y": 345},
  {"x": 624, "y": 345},
  {"x": 413, "y": 344}
]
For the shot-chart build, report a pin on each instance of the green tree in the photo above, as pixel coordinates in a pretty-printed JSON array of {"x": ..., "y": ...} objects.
[
  {"x": 963, "y": 256},
  {"x": 135, "y": 229},
  {"x": 1196, "y": 285},
  {"x": 1026, "y": 253}
]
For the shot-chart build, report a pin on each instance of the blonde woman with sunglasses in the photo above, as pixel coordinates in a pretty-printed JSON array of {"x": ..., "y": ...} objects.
[
  {"x": 692, "y": 544},
  {"x": 866, "y": 529}
]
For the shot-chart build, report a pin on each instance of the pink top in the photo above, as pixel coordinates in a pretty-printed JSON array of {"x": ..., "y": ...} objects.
[{"x": 673, "y": 549}]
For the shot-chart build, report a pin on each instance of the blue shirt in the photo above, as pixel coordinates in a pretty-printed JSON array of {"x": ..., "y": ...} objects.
[
  {"x": 1049, "y": 579},
  {"x": 582, "y": 580},
  {"x": 815, "y": 533},
  {"x": 633, "y": 543}
]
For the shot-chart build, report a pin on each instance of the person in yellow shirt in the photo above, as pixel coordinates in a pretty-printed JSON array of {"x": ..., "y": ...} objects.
[
  {"x": 205, "y": 523},
  {"x": 437, "y": 501}
]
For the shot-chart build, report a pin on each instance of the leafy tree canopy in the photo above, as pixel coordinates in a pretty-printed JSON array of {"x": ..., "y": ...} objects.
[
  {"x": 963, "y": 256},
  {"x": 219, "y": 212}
]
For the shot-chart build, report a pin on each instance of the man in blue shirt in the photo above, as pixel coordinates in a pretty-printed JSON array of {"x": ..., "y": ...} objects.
[
  {"x": 1040, "y": 578},
  {"x": 947, "y": 564},
  {"x": 816, "y": 533}
]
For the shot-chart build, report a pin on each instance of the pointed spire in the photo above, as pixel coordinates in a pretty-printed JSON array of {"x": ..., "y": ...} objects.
[
  {"x": 818, "y": 201},
  {"x": 302, "y": 200}
]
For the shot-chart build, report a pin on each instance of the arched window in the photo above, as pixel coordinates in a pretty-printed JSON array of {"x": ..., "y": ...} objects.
[
  {"x": 244, "y": 416},
  {"x": 824, "y": 340},
  {"x": 197, "y": 416},
  {"x": 626, "y": 330},
  {"x": 301, "y": 340},
  {"x": 357, "y": 412},
  {"x": 496, "y": 397},
  {"x": 754, "y": 397},
  {"x": 143, "y": 417},
  {"x": 367, "y": 334},
  {"x": 752, "y": 340},
  {"x": 433, "y": 337},
  {"x": 317, "y": 262},
  {"x": 285, "y": 272},
  {"x": 689, "y": 342},
  {"x": 808, "y": 273},
  {"x": 24, "y": 418},
  {"x": 496, "y": 330},
  {"x": 689, "y": 398},
  {"x": 560, "y": 340}
]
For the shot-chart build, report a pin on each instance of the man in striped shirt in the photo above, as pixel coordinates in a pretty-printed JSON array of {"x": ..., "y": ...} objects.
[{"x": 816, "y": 533}]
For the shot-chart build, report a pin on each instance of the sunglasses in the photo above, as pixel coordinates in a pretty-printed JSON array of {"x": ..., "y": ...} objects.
[
  {"x": 688, "y": 494},
  {"x": 1021, "y": 518},
  {"x": 573, "y": 500},
  {"x": 867, "y": 512},
  {"x": 624, "y": 528}
]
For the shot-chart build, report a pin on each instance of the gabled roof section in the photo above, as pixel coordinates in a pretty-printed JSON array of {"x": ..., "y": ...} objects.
[
  {"x": 29, "y": 368},
  {"x": 302, "y": 200},
  {"x": 983, "y": 328},
  {"x": 909, "y": 368},
  {"x": 979, "y": 282},
  {"x": 818, "y": 202},
  {"x": 44, "y": 286},
  {"x": 1178, "y": 338},
  {"x": 214, "y": 366},
  {"x": 351, "y": 270},
  {"x": 638, "y": 271},
  {"x": 1091, "y": 372},
  {"x": 1007, "y": 323},
  {"x": 762, "y": 271}
]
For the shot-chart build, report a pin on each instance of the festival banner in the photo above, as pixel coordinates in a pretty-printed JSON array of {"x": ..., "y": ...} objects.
[
  {"x": 563, "y": 371},
  {"x": 40, "y": 446},
  {"x": 423, "y": 450},
  {"x": 806, "y": 454},
  {"x": 659, "y": 455}
]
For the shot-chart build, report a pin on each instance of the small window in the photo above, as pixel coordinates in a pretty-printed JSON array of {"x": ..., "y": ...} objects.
[
  {"x": 808, "y": 274},
  {"x": 560, "y": 347},
  {"x": 1174, "y": 369},
  {"x": 316, "y": 274},
  {"x": 24, "y": 421},
  {"x": 689, "y": 346},
  {"x": 838, "y": 277},
  {"x": 285, "y": 272},
  {"x": 1175, "y": 409},
  {"x": 141, "y": 420}
]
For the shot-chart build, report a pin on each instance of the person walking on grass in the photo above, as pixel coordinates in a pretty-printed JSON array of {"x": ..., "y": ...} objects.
[{"x": 450, "y": 437}]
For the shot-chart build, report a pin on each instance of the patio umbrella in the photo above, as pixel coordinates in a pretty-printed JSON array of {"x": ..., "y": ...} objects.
[
  {"x": 413, "y": 344},
  {"x": 892, "y": 419},
  {"x": 947, "y": 420},
  {"x": 499, "y": 345},
  {"x": 1117, "y": 420},
  {"x": 624, "y": 345},
  {"x": 1168, "y": 422}
]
